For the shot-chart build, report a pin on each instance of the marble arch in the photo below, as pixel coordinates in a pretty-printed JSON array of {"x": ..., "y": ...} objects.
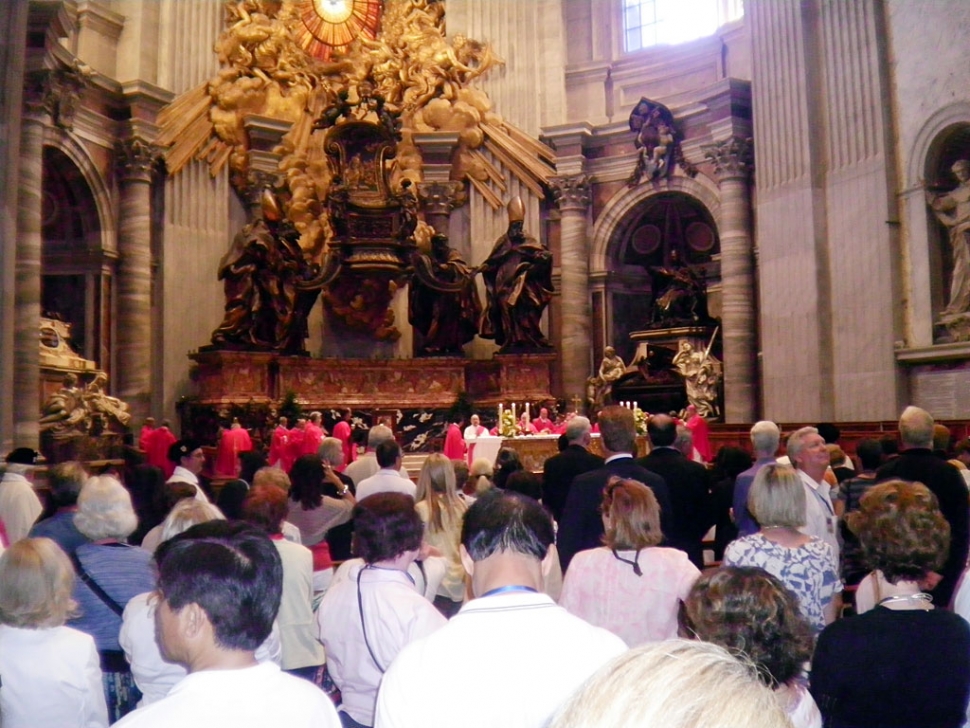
[
  {"x": 65, "y": 143},
  {"x": 625, "y": 201}
]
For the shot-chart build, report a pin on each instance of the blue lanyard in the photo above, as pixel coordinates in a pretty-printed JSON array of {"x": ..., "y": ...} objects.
[{"x": 509, "y": 588}]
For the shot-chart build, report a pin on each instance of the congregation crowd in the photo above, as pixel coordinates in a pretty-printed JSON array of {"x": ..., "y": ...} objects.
[{"x": 322, "y": 587}]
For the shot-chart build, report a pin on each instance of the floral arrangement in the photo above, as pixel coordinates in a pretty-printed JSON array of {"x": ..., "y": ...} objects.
[
  {"x": 507, "y": 425},
  {"x": 640, "y": 418}
]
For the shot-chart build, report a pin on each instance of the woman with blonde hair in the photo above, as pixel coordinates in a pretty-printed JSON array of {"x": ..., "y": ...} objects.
[
  {"x": 902, "y": 663},
  {"x": 51, "y": 676},
  {"x": 805, "y": 564},
  {"x": 631, "y": 585},
  {"x": 674, "y": 684},
  {"x": 442, "y": 512},
  {"x": 480, "y": 477}
]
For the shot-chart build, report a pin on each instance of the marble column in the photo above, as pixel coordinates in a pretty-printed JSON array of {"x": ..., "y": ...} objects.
[
  {"x": 572, "y": 196},
  {"x": 134, "y": 339},
  {"x": 26, "y": 376},
  {"x": 739, "y": 322}
]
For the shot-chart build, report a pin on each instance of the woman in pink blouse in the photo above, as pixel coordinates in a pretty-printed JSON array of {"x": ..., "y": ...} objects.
[{"x": 630, "y": 585}]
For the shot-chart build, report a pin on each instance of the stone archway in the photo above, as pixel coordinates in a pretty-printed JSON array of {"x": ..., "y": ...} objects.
[
  {"x": 636, "y": 231},
  {"x": 77, "y": 264}
]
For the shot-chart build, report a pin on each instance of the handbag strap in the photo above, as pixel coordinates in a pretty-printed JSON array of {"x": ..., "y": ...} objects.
[
  {"x": 100, "y": 593},
  {"x": 363, "y": 626}
]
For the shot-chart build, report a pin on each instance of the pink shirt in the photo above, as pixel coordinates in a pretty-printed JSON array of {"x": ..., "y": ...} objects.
[{"x": 607, "y": 593}]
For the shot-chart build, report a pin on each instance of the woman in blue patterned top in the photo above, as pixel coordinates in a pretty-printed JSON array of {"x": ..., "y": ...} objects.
[{"x": 805, "y": 564}]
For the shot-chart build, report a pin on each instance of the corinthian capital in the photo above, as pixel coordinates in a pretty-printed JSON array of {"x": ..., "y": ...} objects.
[
  {"x": 730, "y": 157},
  {"x": 442, "y": 197},
  {"x": 135, "y": 159},
  {"x": 56, "y": 92},
  {"x": 571, "y": 193}
]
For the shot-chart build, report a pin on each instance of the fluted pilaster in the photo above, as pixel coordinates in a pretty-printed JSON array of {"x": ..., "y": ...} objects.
[
  {"x": 572, "y": 196},
  {"x": 135, "y": 162},
  {"x": 739, "y": 322}
]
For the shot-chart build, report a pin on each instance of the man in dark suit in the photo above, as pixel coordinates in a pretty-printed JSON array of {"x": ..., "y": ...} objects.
[
  {"x": 582, "y": 525},
  {"x": 688, "y": 484},
  {"x": 918, "y": 463},
  {"x": 575, "y": 459}
]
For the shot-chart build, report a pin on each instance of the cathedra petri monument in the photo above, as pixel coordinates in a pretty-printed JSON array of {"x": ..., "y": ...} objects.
[{"x": 350, "y": 131}]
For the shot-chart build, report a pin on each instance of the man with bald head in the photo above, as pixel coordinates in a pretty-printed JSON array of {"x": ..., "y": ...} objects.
[{"x": 918, "y": 463}]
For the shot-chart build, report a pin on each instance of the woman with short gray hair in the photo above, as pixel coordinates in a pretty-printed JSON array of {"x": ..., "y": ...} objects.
[
  {"x": 110, "y": 572},
  {"x": 805, "y": 564}
]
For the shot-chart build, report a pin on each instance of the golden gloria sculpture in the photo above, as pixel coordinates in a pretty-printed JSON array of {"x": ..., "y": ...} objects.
[{"x": 291, "y": 60}]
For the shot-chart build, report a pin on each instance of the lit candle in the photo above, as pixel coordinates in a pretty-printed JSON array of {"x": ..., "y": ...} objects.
[
  {"x": 513, "y": 410},
  {"x": 527, "y": 408},
  {"x": 500, "y": 414}
]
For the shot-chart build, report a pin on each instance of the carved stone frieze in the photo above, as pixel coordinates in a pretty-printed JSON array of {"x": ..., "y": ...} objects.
[
  {"x": 571, "y": 193},
  {"x": 135, "y": 159},
  {"x": 731, "y": 157}
]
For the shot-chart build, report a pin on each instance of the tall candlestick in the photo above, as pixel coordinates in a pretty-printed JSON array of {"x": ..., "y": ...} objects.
[
  {"x": 513, "y": 410},
  {"x": 499, "y": 414},
  {"x": 527, "y": 408}
]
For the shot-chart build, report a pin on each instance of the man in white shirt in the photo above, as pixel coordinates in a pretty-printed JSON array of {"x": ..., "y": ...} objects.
[
  {"x": 189, "y": 461},
  {"x": 809, "y": 454},
  {"x": 512, "y": 642},
  {"x": 219, "y": 589},
  {"x": 366, "y": 465},
  {"x": 19, "y": 504},
  {"x": 371, "y": 612},
  {"x": 388, "y": 478}
]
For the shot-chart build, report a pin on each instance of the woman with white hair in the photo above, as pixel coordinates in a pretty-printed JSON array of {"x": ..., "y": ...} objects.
[
  {"x": 51, "y": 676},
  {"x": 153, "y": 675},
  {"x": 805, "y": 564},
  {"x": 674, "y": 684},
  {"x": 110, "y": 572}
]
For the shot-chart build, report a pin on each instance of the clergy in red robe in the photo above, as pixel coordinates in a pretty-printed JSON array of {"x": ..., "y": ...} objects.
[
  {"x": 232, "y": 442},
  {"x": 156, "y": 449},
  {"x": 454, "y": 443},
  {"x": 278, "y": 445},
  {"x": 343, "y": 432},
  {"x": 313, "y": 435},
  {"x": 147, "y": 429},
  {"x": 700, "y": 433},
  {"x": 543, "y": 424},
  {"x": 525, "y": 425},
  {"x": 294, "y": 448}
]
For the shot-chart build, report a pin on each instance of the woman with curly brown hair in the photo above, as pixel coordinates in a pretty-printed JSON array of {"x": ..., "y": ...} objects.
[
  {"x": 631, "y": 585},
  {"x": 752, "y": 613},
  {"x": 902, "y": 663}
]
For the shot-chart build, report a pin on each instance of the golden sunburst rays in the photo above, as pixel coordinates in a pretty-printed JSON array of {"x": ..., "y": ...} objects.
[{"x": 328, "y": 25}]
